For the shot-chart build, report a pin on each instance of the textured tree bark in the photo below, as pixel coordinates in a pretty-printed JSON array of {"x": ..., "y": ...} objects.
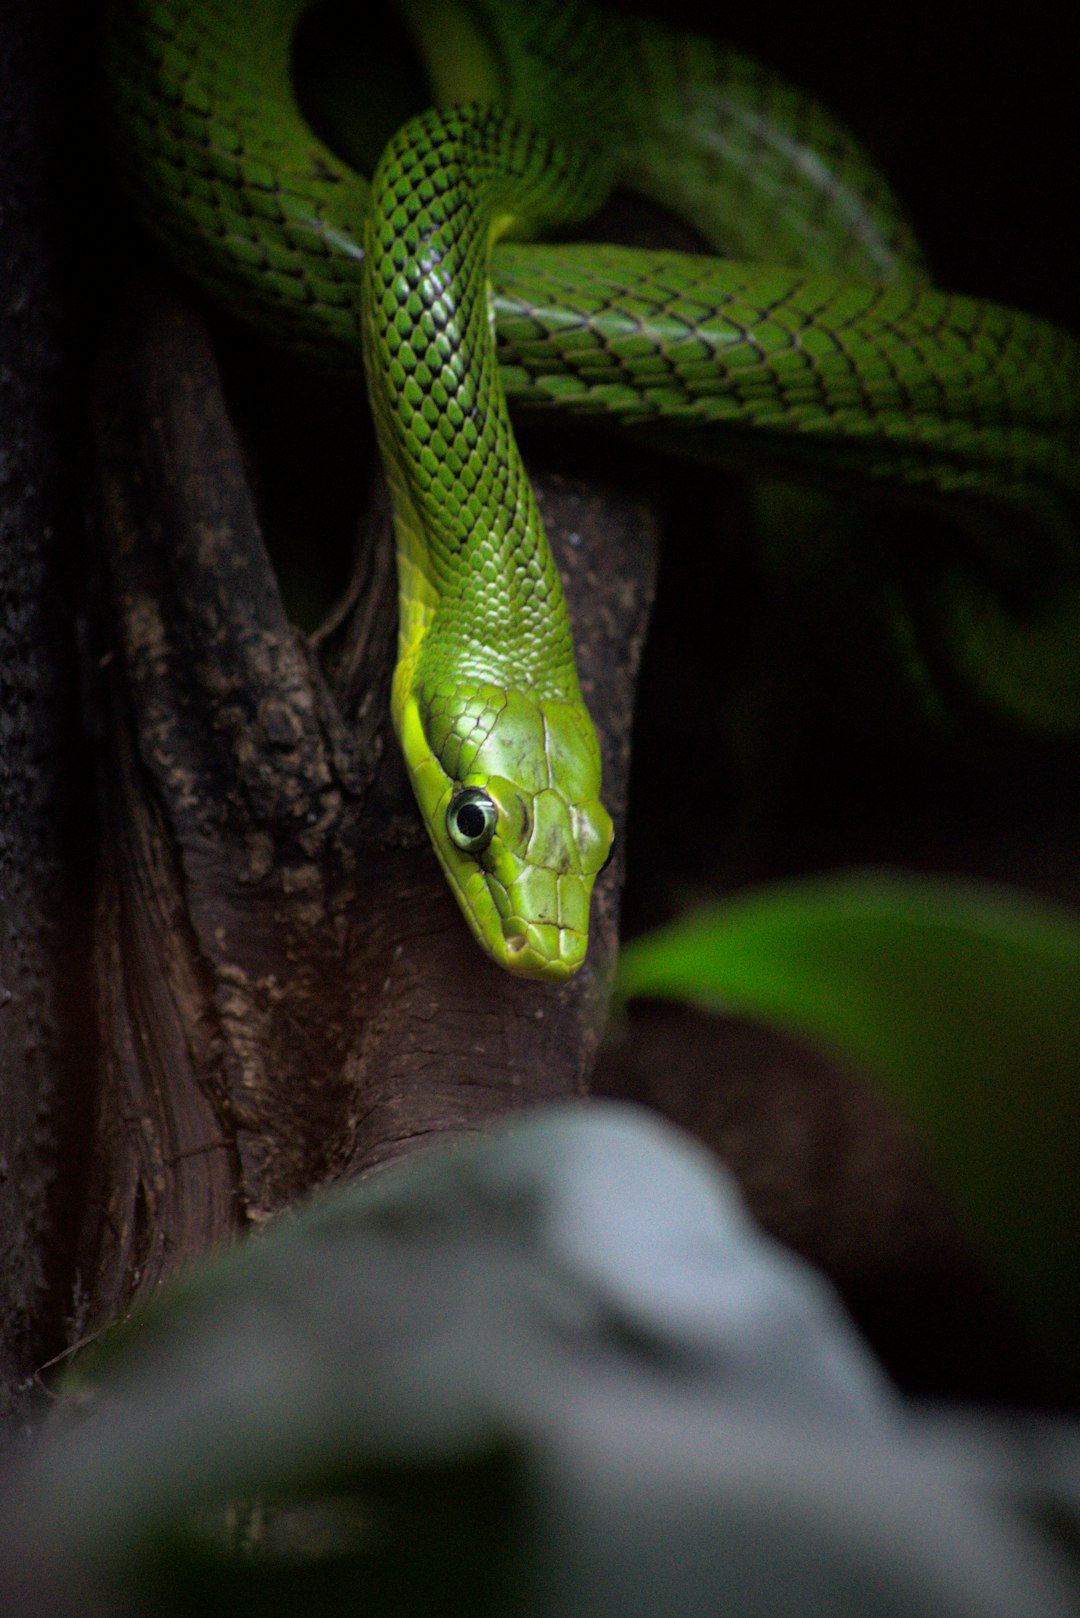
[
  {"x": 45, "y": 1069},
  {"x": 288, "y": 993}
]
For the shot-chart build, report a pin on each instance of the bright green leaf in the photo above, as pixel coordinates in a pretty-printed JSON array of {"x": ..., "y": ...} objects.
[{"x": 965, "y": 999}]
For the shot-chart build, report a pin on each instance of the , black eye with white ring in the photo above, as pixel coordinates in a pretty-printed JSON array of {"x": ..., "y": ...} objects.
[{"x": 471, "y": 819}]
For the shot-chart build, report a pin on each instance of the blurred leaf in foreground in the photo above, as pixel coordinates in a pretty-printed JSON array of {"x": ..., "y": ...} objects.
[
  {"x": 966, "y": 1000},
  {"x": 553, "y": 1371}
]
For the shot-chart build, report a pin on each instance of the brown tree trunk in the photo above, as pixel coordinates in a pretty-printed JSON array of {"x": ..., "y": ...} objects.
[
  {"x": 46, "y": 1065},
  {"x": 287, "y": 991}
]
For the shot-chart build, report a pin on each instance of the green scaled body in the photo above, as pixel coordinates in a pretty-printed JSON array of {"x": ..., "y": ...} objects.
[
  {"x": 485, "y": 699},
  {"x": 831, "y": 362}
]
